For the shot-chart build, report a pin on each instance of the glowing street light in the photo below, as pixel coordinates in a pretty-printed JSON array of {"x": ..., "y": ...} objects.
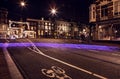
[
  {"x": 53, "y": 11},
  {"x": 22, "y": 3}
]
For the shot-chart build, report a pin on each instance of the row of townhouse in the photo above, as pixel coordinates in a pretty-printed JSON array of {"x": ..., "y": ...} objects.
[
  {"x": 56, "y": 29},
  {"x": 37, "y": 28},
  {"x": 105, "y": 19}
]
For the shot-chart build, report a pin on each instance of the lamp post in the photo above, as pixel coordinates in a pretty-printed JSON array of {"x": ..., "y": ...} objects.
[
  {"x": 53, "y": 12},
  {"x": 22, "y": 4}
]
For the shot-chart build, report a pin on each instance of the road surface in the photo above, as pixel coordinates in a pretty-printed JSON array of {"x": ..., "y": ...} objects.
[{"x": 63, "y": 61}]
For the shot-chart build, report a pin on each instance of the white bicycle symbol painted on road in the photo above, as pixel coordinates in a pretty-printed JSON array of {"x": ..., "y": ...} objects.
[{"x": 55, "y": 72}]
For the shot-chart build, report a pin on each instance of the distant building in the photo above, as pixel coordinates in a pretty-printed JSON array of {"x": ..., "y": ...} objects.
[
  {"x": 3, "y": 23},
  {"x": 3, "y": 15},
  {"x": 56, "y": 29},
  {"x": 43, "y": 28},
  {"x": 36, "y": 28},
  {"x": 105, "y": 16},
  {"x": 63, "y": 29},
  {"x": 19, "y": 29},
  {"x": 75, "y": 31}
]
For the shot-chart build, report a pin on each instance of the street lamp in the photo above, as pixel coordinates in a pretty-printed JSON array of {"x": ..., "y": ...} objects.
[
  {"x": 53, "y": 11},
  {"x": 22, "y": 3}
]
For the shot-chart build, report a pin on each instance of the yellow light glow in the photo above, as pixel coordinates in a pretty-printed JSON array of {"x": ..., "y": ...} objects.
[
  {"x": 22, "y": 3},
  {"x": 53, "y": 10}
]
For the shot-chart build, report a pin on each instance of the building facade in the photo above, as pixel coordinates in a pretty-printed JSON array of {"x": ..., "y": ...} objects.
[
  {"x": 56, "y": 29},
  {"x": 105, "y": 16},
  {"x": 63, "y": 29},
  {"x": 43, "y": 28},
  {"x": 3, "y": 23},
  {"x": 36, "y": 28},
  {"x": 19, "y": 29}
]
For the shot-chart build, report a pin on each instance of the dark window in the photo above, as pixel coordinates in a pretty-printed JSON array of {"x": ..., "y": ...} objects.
[{"x": 104, "y": 10}]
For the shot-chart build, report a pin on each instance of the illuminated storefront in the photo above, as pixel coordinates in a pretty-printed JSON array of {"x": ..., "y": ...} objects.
[
  {"x": 105, "y": 15},
  {"x": 20, "y": 30}
]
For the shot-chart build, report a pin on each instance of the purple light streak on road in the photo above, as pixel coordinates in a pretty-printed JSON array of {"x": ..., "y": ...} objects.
[
  {"x": 1, "y": 44},
  {"x": 15, "y": 44},
  {"x": 78, "y": 46},
  {"x": 60, "y": 45}
]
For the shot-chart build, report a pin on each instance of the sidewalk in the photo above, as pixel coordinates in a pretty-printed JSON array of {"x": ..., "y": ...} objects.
[
  {"x": 108, "y": 43},
  {"x": 4, "y": 72}
]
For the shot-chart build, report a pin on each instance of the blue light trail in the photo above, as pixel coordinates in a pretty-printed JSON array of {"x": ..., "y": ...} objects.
[{"x": 65, "y": 45}]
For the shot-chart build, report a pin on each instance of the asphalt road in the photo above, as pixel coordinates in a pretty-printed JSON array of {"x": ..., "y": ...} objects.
[{"x": 62, "y": 61}]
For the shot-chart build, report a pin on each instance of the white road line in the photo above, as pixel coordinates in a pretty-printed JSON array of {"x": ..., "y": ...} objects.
[
  {"x": 94, "y": 51},
  {"x": 70, "y": 65},
  {"x": 115, "y": 54}
]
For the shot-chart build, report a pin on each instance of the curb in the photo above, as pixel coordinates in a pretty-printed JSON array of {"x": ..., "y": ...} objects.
[{"x": 14, "y": 72}]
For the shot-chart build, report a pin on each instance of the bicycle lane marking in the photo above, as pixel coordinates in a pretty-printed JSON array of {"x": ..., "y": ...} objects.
[
  {"x": 60, "y": 61},
  {"x": 55, "y": 72}
]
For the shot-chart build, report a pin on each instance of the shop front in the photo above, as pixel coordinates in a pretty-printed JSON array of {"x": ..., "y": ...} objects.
[{"x": 109, "y": 30}]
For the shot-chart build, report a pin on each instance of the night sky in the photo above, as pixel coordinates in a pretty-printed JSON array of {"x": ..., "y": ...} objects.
[{"x": 76, "y": 10}]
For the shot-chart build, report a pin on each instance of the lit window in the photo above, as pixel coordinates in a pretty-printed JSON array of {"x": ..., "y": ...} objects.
[
  {"x": 46, "y": 23},
  {"x": 49, "y": 24},
  {"x": 49, "y": 27},
  {"x": 100, "y": 27},
  {"x": 3, "y": 27},
  {"x": 38, "y": 32},
  {"x": 41, "y": 32},
  {"x": 46, "y": 30},
  {"x": 31, "y": 28},
  {"x": 117, "y": 8},
  {"x": 46, "y": 27}
]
